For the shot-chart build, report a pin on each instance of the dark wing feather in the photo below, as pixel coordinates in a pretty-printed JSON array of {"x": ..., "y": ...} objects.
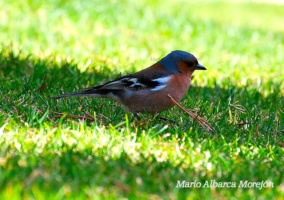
[{"x": 137, "y": 81}]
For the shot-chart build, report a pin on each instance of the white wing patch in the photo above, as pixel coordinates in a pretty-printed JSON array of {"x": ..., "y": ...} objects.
[
  {"x": 162, "y": 81},
  {"x": 135, "y": 83}
]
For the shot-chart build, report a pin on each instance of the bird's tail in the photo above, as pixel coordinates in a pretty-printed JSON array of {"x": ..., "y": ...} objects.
[{"x": 93, "y": 93}]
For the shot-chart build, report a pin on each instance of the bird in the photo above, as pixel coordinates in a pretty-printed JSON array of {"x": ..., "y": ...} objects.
[{"x": 147, "y": 91}]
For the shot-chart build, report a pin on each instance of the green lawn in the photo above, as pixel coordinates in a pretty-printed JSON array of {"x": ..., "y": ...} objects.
[{"x": 69, "y": 45}]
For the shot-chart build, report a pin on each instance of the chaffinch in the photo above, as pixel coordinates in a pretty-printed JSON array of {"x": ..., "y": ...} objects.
[{"x": 147, "y": 90}]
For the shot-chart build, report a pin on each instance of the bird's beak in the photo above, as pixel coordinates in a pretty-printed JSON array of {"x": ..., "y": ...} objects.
[{"x": 200, "y": 67}]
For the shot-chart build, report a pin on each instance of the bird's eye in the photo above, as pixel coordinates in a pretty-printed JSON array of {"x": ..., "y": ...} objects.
[{"x": 190, "y": 63}]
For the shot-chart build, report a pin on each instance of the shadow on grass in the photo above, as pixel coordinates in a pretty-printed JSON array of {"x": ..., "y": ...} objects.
[
  {"x": 23, "y": 77},
  {"x": 28, "y": 83}
]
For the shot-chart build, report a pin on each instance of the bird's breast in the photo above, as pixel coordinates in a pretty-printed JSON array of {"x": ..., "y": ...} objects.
[{"x": 178, "y": 86}]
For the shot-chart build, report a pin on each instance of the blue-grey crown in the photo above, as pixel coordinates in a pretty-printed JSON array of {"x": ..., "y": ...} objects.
[{"x": 171, "y": 61}]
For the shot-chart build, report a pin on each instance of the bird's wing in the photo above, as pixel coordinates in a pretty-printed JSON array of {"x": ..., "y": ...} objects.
[{"x": 135, "y": 82}]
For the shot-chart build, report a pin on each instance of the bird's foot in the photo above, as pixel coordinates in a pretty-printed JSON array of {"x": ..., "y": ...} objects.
[
  {"x": 137, "y": 116},
  {"x": 166, "y": 119}
]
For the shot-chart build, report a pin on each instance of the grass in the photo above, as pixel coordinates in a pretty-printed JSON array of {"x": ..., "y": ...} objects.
[{"x": 69, "y": 45}]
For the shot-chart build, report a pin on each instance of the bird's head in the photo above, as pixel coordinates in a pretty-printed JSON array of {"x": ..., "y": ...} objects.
[{"x": 178, "y": 60}]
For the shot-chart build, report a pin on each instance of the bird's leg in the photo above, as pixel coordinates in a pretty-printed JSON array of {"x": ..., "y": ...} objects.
[
  {"x": 166, "y": 119},
  {"x": 137, "y": 116},
  {"x": 157, "y": 115}
]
